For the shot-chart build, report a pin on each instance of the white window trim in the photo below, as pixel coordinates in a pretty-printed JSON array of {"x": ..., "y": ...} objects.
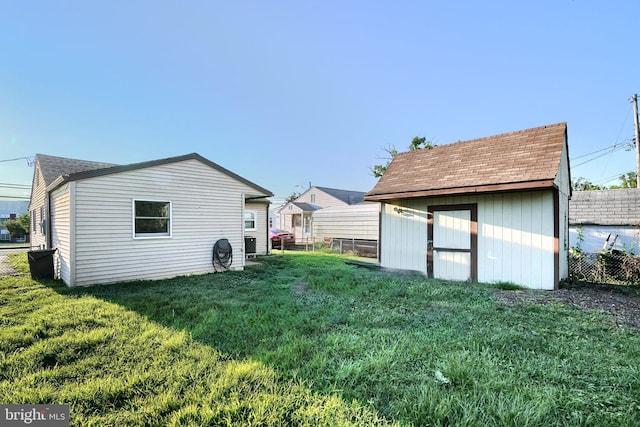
[
  {"x": 141, "y": 236},
  {"x": 255, "y": 220}
]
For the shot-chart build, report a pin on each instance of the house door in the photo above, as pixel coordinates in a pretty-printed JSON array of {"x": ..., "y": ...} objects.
[{"x": 452, "y": 248}]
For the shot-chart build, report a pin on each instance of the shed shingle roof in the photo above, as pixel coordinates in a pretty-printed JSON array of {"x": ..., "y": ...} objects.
[
  {"x": 525, "y": 159},
  {"x": 605, "y": 207}
]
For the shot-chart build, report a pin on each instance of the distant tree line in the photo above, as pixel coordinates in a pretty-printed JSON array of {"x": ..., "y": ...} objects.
[{"x": 627, "y": 180}]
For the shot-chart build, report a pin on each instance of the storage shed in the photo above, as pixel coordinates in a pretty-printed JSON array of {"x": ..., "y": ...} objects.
[
  {"x": 149, "y": 220},
  {"x": 493, "y": 209}
]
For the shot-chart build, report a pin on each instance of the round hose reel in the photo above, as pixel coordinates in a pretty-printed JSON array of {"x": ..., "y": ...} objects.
[{"x": 222, "y": 255}]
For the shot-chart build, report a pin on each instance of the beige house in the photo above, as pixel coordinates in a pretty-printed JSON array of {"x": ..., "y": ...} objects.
[
  {"x": 151, "y": 220},
  {"x": 296, "y": 216},
  {"x": 493, "y": 209}
]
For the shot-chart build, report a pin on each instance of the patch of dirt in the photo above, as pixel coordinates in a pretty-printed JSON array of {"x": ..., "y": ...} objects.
[{"x": 621, "y": 303}]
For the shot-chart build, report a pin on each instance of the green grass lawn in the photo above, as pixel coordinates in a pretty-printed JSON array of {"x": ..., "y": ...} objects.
[{"x": 305, "y": 339}]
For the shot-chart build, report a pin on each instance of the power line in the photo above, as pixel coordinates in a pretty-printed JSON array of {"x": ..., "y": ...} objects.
[
  {"x": 595, "y": 152},
  {"x": 15, "y": 197},
  {"x": 15, "y": 186},
  {"x": 617, "y": 147},
  {"x": 29, "y": 160}
]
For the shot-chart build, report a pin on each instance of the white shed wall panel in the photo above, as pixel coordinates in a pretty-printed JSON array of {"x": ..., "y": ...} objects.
[
  {"x": 515, "y": 236},
  {"x": 348, "y": 222},
  {"x": 61, "y": 232},
  {"x": 403, "y": 236},
  {"x": 206, "y": 206},
  {"x": 563, "y": 182}
]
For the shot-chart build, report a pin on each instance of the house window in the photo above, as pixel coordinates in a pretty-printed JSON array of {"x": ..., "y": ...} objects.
[
  {"x": 250, "y": 220},
  {"x": 313, "y": 198},
  {"x": 296, "y": 220},
  {"x": 151, "y": 218}
]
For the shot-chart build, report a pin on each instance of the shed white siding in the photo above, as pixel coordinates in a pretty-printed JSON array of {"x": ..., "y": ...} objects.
[
  {"x": 563, "y": 182},
  {"x": 206, "y": 205},
  {"x": 515, "y": 236},
  {"x": 261, "y": 231},
  {"x": 359, "y": 221}
]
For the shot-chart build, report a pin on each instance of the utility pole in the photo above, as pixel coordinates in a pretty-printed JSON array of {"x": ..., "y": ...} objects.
[{"x": 635, "y": 118}]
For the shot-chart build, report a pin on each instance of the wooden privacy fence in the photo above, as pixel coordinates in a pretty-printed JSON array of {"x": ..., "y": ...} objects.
[{"x": 611, "y": 267}]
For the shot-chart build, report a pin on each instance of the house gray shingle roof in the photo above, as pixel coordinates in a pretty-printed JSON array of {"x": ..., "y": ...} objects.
[
  {"x": 57, "y": 170},
  {"x": 347, "y": 196},
  {"x": 526, "y": 159},
  {"x": 53, "y": 167},
  {"x": 605, "y": 207}
]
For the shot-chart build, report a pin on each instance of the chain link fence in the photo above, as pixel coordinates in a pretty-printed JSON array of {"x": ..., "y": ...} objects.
[
  {"x": 358, "y": 247},
  {"x": 610, "y": 267},
  {"x": 5, "y": 265}
]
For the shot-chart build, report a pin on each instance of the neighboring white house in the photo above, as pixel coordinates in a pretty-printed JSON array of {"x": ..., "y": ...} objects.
[
  {"x": 360, "y": 221},
  {"x": 11, "y": 209},
  {"x": 490, "y": 210},
  {"x": 296, "y": 216},
  {"x": 349, "y": 228},
  {"x": 147, "y": 220},
  {"x": 603, "y": 216}
]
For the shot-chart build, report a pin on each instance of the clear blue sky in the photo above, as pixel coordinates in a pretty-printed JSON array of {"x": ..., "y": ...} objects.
[{"x": 290, "y": 92}]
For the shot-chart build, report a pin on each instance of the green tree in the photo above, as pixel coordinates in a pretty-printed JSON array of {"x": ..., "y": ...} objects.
[
  {"x": 583, "y": 184},
  {"x": 417, "y": 143},
  {"x": 25, "y": 221},
  {"x": 14, "y": 227},
  {"x": 627, "y": 180},
  {"x": 18, "y": 227}
]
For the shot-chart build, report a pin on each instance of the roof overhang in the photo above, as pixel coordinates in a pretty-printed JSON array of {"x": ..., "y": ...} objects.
[{"x": 458, "y": 191}]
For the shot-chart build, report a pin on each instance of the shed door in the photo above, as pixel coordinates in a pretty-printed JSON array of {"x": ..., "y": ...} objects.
[{"x": 451, "y": 252}]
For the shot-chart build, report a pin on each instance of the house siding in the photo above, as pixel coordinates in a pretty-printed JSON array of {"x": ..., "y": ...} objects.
[
  {"x": 321, "y": 198},
  {"x": 61, "y": 232},
  {"x": 515, "y": 236},
  {"x": 207, "y": 205},
  {"x": 38, "y": 202},
  {"x": 347, "y": 222},
  {"x": 261, "y": 232}
]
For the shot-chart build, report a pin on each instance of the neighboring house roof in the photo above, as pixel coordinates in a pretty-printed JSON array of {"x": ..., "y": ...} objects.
[
  {"x": 526, "y": 159},
  {"x": 605, "y": 207},
  {"x": 79, "y": 169},
  {"x": 306, "y": 207},
  {"x": 347, "y": 196}
]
